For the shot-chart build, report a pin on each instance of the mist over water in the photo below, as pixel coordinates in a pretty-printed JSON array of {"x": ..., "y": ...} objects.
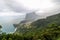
[
  {"x": 7, "y": 23},
  {"x": 8, "y": 28},
  {"x": 10, "y": 11}
]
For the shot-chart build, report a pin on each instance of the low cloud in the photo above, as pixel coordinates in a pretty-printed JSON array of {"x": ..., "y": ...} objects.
[
  {"x": 16, "y": 7},
  {"x": 23, "y": 5}
]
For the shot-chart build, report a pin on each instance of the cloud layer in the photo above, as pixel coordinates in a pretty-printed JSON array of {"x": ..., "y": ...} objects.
[
  {"x": 21, "y": 7},
  {"x": 28, "y": 5}
]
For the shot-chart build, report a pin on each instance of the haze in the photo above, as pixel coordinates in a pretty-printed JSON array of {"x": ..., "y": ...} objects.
[{"x": 21, "y": 7}]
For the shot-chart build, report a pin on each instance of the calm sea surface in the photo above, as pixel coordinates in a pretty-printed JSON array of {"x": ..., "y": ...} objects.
[{"x": 7, "y": 23}]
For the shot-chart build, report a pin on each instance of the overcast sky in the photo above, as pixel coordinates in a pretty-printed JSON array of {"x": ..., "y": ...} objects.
[
  {"x": 13, "y": 11},
  {"x": 23, "y": 6}
]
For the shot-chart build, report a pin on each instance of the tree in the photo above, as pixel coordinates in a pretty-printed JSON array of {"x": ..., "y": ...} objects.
[
  {"x": 3, "y": 38},
  {"x": 0, "y": 28},
  {"x": 10, "y": 39}
]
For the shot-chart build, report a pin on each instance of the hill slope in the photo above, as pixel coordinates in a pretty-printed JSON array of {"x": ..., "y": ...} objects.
[{"x": 39, "y": 24}]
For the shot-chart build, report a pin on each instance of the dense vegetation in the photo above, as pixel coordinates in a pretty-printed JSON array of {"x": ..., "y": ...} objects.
[
  {"x": 47, "y": 21},
  {"x": 51, "y": 32},
  {"x": 41, "y": 23},
  {"x": 42, "y": 29}
]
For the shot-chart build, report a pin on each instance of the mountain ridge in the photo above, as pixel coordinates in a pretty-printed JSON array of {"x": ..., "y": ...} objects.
[{"x": 40, "y": 23}]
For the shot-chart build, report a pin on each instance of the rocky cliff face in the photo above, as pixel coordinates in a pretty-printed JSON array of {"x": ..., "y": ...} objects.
[
  {"x": 25, "y": 24},
  {"x": 41, "y": 23},
  {"x": 30, "y": 17}
]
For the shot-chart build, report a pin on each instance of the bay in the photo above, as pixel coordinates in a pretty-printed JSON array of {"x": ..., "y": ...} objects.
[{"x": 7, "y": 23}]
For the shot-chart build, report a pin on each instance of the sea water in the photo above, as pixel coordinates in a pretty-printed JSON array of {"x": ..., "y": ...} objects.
[{"x": 7, "y": 23}]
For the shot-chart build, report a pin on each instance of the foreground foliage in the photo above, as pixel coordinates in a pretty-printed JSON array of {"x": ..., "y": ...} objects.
[
  {"x": 43, "y": 29},
  {"x": 51, "y": 32}
]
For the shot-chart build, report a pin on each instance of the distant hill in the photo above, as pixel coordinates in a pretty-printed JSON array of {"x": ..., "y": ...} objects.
[
  {"x": 48, "y": 20},
  {"x": 40, "y": 23},
  {"x": 30, "y": 17}
]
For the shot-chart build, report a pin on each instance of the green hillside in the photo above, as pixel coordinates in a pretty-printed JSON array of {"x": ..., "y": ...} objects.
[
  {"x": 51, "y": 32},
  {"x": 42, "y": 29},
  {"x": 48, "y": 20},
  {"x": 39, "y": 24}
]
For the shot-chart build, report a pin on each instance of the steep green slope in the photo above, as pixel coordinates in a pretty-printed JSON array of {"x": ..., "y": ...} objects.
[
  {"x": 39, "y": 24},
  {"x": 47, "y": 21},
  {"x": 51, "y": 32},
  {"x": 42, "y": 29}
]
